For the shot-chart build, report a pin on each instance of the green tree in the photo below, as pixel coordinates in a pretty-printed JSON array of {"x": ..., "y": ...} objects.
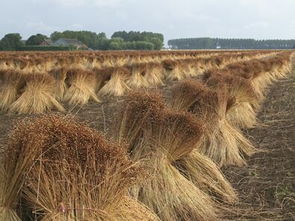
[
  {"x": 157, "y": 42},
  {"x": 156, "y": 39},
  {"x": 11, "y": 42},
  {"x": 120, "y": 40},
  {"x": 117, "y": 44},
  {"x": 120, "y": 34},
  {"x": 36, "y": 39},
  {"x": 211, "y": 43},
  {"x": 143, "y": 45},
  {"x": 103, "y": 44},
  {"x": 91, "y": 39}
]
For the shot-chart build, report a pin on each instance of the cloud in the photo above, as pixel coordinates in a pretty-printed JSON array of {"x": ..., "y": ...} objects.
[
  {"x": 257, "y": 25},
  {"x": 82, "y": 3},
  {"x": 173, "y": 18},
  {"x": 40, "y": 26},
  {"x": 77, "y": 27},
  {"x": 108, "y": 3}
]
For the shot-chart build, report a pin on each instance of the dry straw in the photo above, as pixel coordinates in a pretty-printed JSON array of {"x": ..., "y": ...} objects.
[
  {"x": 173, "y": 70},
  {"x": 81, "y": 87},
  {"x": 15, "y": 164},
  {"x": 155, "y": 74},
  {"x": 206, "y": 175},
  {"x": 9, "y": 86},
  {"x": 8, "y": 197},
  {"x": 68, "y": 171},
  {"x": 146, "y": 75},
  {"x": 117, "y": 84},
  {"x": 137, "y": 78},
  {"x": 159, "y": 137},
  {"x": 59, "y": 75},
  {"x": 221, "y": 142},
  {"x": 36, "y": 95},
  {"x": 103, "y": 75},
  {"x": 246, "y": 100},
  {"x": 256, "y": 71}
]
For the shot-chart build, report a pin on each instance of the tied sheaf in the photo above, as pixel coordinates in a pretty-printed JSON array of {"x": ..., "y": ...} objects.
[
  {"x": 40, "y": 82},
  {"x": 161, "y": 156}
]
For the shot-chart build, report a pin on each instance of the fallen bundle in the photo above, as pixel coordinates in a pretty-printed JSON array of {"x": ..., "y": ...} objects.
[
  {"x": 222, "y": 142},
  {"x": 163, "y": 139},
  {"x": 81, "y": 87},
  {"x": 67, "y": 171},
  {"x": 36, "y": 95}
]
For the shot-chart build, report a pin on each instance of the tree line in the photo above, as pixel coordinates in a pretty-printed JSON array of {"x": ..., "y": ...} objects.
[
  {"x": 120, "y": 40},
  {"x": 221, "y": 43}
]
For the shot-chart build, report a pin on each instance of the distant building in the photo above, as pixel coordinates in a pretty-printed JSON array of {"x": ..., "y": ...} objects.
[
  {"x": 66, "y": 42},
  {"x": 46, "y": 42}
]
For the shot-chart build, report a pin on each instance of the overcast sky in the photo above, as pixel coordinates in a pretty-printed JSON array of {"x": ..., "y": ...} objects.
[{"x": 261, "y": 19}]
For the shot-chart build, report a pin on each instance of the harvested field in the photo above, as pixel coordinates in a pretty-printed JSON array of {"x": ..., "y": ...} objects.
[
  {"x": 266, "y": 185},
  {"x": 147, "y": 135},
  {"x": 79, "y": 77}
]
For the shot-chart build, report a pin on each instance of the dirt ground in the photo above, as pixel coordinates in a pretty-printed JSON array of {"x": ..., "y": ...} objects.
[{"x": 266, "y": 187}]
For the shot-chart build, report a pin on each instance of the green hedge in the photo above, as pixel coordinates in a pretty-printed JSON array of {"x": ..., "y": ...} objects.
[{"x": 45, "y": 48}]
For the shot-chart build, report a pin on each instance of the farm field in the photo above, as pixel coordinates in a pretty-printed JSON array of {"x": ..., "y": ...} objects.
[
  {"x": 169, "y": 135},
  {"x": 266, "y": 185}
]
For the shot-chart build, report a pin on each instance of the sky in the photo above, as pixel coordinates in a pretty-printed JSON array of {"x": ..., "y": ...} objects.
[{"x": 259, "y": 19}]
